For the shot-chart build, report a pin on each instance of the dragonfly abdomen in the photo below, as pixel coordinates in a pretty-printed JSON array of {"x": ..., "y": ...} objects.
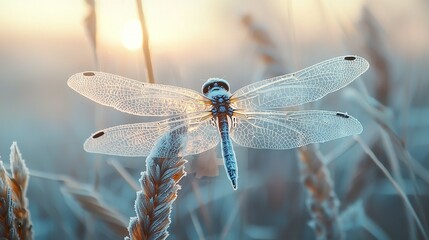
[{"x": 228, "y": 151}]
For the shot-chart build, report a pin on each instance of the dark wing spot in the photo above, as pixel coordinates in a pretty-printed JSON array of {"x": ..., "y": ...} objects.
[
  {"x": 343, "y": 115},
  {"x": 88, "y": 74},
  {"x": 349, "y": 58},
  {"x": 99, "y": 134}
]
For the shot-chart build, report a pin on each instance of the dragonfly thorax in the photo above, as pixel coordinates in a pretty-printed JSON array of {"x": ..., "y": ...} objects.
[
  {"x": 221, "y": 105},
  {"x": 217, "y": 90}
]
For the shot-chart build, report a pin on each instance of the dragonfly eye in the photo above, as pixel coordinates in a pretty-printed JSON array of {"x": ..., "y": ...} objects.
[
  {"x": 215, "y": 82},
  {"x": 223, "y": 85},
  {"x": 206, "y": 88}
]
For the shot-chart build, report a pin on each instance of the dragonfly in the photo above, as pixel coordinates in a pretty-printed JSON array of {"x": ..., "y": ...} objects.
[{"x": 255, "y": 116}]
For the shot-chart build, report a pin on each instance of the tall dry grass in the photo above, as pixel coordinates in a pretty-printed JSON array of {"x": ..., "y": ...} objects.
[
  {"x": 92, "y": 204},
  {"x": 15, "y": 220},
  {"x": 158, "y": 182},
  {"x": 145, "y": 42},
  {"x": 322, "y": 201},
  {"x": 384, "y": 157},
  {"x": 87, "y": 204},
  {"x": 387, "y": 145},
  {"x": 265, "y": 49}
]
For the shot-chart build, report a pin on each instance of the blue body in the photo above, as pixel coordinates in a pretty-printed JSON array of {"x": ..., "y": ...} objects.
[
  {"x": 228, "y": 151},
  {"x": 217, "y": 90}
]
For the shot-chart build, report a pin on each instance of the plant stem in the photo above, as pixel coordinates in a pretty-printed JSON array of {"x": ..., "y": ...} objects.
[{"x": 145, "y": 42}]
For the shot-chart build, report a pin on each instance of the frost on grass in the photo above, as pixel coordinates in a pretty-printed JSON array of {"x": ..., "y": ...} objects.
[
  {"x": 14, "y": 216},
  {"x": 322, "y": 201},
  {"x": 159, "y": 185}
]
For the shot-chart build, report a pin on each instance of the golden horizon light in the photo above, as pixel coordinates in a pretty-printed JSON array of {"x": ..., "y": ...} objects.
[{"x": 131, "y": 35}]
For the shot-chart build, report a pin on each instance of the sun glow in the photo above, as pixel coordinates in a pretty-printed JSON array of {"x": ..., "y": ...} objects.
[{"x": 132, "y": 35}]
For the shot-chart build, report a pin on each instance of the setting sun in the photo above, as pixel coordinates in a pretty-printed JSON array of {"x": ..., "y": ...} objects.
[{"x": 131, "y": 35}]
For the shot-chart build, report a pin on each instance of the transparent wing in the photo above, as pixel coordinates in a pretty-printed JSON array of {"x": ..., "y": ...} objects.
[
  {"x": 194, "y": 133},
  {"x": 285, "y": 130},
  {"x": 307, "y": 85},
  {"x": 136, "y": 97}
]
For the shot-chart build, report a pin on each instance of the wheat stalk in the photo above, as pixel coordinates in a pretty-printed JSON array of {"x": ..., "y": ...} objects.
[
  {"x": 14, "y": 215},
  {"x": 265, "y": 47},
  {"x": 322, "y": 200},
  {"x": 159, "y": 185}
]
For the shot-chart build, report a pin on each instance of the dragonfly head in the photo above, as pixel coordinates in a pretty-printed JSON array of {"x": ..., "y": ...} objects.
[{"x": 215, "y": 84}]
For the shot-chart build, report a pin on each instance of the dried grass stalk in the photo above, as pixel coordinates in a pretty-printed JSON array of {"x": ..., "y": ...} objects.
[
  {"x": 322, "y": 200},
  {"x": 14, "y": 215},
  {"x": 355, "y": 217},
  {"x": 266, "y": 49},
  {"x": 91, "y": 27},
  {"x": 159, "y": 190},
  {"x": 92, "y": 203},
  {"x": 395, "y": 184},
  {"x": 377, "y": 54},
  {"x": 145, "y": 42},
  {"x": 378, "y": 58}
]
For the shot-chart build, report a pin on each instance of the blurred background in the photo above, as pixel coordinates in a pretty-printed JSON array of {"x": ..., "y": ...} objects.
[{"x": 42, "y": 43}]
